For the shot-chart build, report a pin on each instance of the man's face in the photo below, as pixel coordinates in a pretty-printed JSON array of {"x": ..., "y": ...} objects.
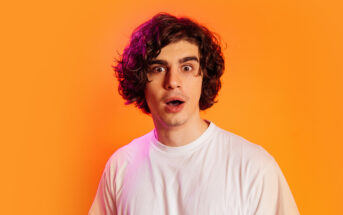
[{"x": 175, "y": 88}]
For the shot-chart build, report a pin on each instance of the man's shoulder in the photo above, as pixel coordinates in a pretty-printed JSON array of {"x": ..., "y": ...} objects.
[
  {"x": 244, "y": 150},
  {"x": 131, "y": 150},
  {"x": 249, "y": 160}
]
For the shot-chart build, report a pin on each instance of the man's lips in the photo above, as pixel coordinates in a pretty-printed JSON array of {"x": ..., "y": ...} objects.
[
  {"x": 174, "y": 104},
  {"x": 174, "y": 107},
  {"x": 174, "y": 99}
]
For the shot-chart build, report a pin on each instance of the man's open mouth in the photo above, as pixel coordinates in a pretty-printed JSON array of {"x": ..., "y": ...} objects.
[{"x": 175, "y": 102}]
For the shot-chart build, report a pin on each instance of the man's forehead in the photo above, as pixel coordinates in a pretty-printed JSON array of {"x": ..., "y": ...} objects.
[{"x": 180, "y": 51}]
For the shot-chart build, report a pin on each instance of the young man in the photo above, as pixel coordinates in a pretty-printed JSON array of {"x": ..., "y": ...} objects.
[{"x": 171, "y": 69}]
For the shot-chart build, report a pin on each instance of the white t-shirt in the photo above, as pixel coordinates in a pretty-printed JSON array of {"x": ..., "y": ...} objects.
[{"x": 218, "y": 173}]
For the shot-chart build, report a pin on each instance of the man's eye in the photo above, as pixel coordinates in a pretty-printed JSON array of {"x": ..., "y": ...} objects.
[
  {"x": 158, "y": 69},
  {"x": 187, "y": 68}
]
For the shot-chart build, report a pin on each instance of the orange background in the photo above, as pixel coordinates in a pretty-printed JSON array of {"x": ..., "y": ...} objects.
[{"x": 61, "y": 115}]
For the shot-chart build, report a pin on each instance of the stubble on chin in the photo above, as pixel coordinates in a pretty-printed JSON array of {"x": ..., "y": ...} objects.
[
  {"x": 172, "y": 122},
  {"x": 175, "y": 123}
]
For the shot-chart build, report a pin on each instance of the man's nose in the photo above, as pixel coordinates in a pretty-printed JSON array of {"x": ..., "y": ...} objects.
[{"x": 172, "y": 79}]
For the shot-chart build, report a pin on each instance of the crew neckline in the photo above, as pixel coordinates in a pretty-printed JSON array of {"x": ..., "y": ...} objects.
[{"x": 176, "y": 150}]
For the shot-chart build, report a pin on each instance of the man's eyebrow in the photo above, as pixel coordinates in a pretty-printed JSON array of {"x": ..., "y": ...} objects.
[
  {"x": 159, "y": 62},
  {"x": 190, "y": 58},
  {"x": 182, "y": 60}
]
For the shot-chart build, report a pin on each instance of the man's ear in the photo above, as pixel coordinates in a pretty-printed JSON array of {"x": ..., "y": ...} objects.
[{"x": 201, "y": 72}]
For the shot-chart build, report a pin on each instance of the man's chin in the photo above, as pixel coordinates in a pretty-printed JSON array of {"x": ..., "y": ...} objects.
[
  {"x": 173, "y": 122},
  {"x": 169, "y": 120}
]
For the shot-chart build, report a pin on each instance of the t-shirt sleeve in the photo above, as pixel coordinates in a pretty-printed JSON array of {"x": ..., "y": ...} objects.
[
  {"x": 104, "y": 202},
  {"x": 272, "y": 195}
]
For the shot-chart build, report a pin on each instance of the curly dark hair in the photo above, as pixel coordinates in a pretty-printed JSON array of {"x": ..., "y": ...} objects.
[{"x": 146, "y": 43}]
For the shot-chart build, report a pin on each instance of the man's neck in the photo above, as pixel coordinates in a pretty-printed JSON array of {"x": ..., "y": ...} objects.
[{"x": 181, "y": 135}]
